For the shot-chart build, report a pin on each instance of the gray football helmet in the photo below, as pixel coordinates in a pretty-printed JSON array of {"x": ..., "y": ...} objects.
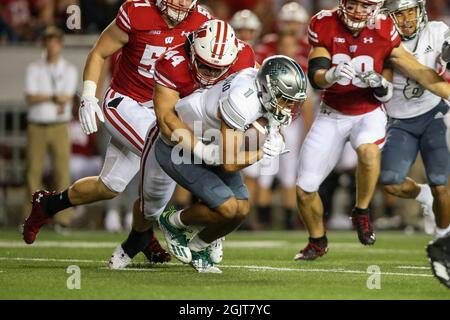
[
  {"x": 391, "y": 7},
  {"x": 280, "y": 77}
]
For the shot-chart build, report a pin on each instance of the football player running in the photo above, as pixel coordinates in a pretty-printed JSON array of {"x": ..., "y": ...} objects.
[
  {"x": 415, "y": 118},
  {"x": 210, "y": 54},
  {"x": 144, "y": 30},
  {"x": 216, "y": 120},
  {"x": 348, "y": 64}
]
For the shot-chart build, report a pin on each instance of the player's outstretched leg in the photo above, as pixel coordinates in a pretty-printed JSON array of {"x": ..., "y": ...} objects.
[{"x": 311, "y": 210}]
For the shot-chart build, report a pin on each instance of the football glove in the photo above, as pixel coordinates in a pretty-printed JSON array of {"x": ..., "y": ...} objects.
[
  {"x": 343, "y": 70},
  {"x": 274, "y": 145},
  {"x": 88, "y": 109},
  {"x": 382, "y": 89}
]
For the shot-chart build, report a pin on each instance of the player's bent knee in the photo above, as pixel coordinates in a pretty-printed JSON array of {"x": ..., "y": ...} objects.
[
  {"x": 393, "y": 189},
  {"x": 228, "y": 210},
  {"x": 308, "y": 183},
  {"x": 243, "y": 209},
  {"x": 304, "y": 196},
  {"x": 106, "y": 192},
  {"x": 368, "y": 154}
]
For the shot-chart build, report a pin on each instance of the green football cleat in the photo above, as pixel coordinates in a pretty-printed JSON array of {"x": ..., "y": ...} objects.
[
  {"x": 175, "y": 238},
  {"x": 201, "y": 262}
]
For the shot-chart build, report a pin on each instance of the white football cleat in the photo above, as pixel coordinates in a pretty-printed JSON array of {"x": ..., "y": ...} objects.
[
  {"x": 202, "y": 262},
  {"x": 215, "y": 250},
  {"x": 119, "y": 259}
]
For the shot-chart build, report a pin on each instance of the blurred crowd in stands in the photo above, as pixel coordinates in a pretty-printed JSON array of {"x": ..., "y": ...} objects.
[{"x": 271, "y": 27}]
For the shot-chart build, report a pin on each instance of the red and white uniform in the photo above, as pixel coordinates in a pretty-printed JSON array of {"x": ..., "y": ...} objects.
[
  {"x": 127, "y": 103},
  {"x": 172, "y": 70},
  {"x": 349, "y": 110}
]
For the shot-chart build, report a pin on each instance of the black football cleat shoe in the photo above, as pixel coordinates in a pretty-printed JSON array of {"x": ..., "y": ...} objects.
[
  {"x": 363, "y": 225},
  {"x": 438, "y": 251}
]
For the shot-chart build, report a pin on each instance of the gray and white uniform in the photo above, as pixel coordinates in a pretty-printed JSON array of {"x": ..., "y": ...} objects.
[
  {"x": 234, "y": 100},
  {"x": 416, "y": 116}
]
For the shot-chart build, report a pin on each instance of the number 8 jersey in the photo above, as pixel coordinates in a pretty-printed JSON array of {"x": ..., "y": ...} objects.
[
  {"x": 367, "y": 52},
  {"x": 149, "y": 37}
]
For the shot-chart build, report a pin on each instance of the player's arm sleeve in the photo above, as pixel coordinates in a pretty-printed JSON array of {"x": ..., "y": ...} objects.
[
  {"x": 250, "y": 57},
  {"x": 317, "y": 36},
  {"x": 161, "y": 75},
  {"x": 232, "y": 112},
  {"x": 394, "y": 36},
  {"x": 31, "y": 80},
  {"x": 123, "y": 20}
]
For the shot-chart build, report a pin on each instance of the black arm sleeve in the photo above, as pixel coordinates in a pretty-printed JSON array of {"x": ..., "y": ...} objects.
[{"x": 315, "y": 65}]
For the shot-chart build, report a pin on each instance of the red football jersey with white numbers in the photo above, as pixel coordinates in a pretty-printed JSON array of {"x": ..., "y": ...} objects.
[
  {"x": 172, "y": 69},
  {"x": 367, "y": 51},
  {"x": 149, "y": 37}
]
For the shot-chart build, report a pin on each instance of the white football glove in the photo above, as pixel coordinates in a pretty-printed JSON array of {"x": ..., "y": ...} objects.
[
  {"x": 343, "y": 70},
  {"x": 209, "y": 153},
  {"x": 373, "y": 79},
  {"x": 274, "y": 145},
  {"x": 88, "y": 109},
  {"x": 447, "y": 133}
]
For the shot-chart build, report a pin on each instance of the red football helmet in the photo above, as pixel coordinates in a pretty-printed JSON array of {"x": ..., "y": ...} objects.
[
  {"x": 356, "y": 14},
  {"x": 176, "y": 10}
]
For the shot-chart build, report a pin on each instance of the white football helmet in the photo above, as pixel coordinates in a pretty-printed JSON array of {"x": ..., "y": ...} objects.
[
  {"x": 176, "y": 10},
  {"x": 392, "y": 7},
  {"x": 213, "y": 49},
  {"x": 293, "y": 11},
  {"x": 357, "y": 21},
  {"x": 245, "y": 19}
]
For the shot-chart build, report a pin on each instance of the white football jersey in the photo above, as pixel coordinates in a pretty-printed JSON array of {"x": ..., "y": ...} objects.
[
  {"x": 235, "y": 100},
  {"x": 410, "y": 98}
]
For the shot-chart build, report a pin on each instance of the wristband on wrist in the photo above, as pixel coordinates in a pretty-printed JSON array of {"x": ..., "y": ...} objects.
[{"x": 89, "y": 88}]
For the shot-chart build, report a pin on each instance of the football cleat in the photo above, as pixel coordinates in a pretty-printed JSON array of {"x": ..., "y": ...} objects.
[
  {"x": 119, "y": 259},
  {"x": 175, "y": 238},
  {"x": 311, "y": 252},
  {"x": 155, "y": 253},
  {"x": 438, "y": 252},
  {"x": 37, "y": 218},
  {"x": 201, "y": 262},
  {"x": 215, "y": 250},
  {"x": 363, "y": 225}
]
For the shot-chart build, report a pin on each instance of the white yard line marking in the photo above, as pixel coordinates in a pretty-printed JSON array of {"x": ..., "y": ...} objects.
[
  {"x": 130, "y": 269},
  {"x": 235, "y": 244},
  {"x": 413, "y": 267},
  {"x": 252, "y": 268}
]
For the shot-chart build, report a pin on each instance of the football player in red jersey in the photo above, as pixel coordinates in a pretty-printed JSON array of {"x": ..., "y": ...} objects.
[
  {"x": 351, "y": 45},
  {"x": 143, "y": 29},
  {"x": 200, "y": 62}
]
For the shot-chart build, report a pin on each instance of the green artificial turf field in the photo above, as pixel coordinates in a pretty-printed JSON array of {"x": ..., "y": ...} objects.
[{"x": 256, "y": 265}]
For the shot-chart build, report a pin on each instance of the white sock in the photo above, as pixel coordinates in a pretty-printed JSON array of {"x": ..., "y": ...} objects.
[
  {"x": 197, "y": 244},
  {"x": 440, "y": 233},
  {"x": 425, "y": 196},
  {"x": 175, "y": 220}
]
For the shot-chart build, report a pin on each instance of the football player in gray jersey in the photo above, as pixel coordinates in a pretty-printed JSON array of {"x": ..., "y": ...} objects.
[
  {"x": 416, "y": 117},
  {"x": 228, "y": 108}
]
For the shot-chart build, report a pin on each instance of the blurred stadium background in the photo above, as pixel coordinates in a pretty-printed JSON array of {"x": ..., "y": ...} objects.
[{"x": 22, "y": 23}]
